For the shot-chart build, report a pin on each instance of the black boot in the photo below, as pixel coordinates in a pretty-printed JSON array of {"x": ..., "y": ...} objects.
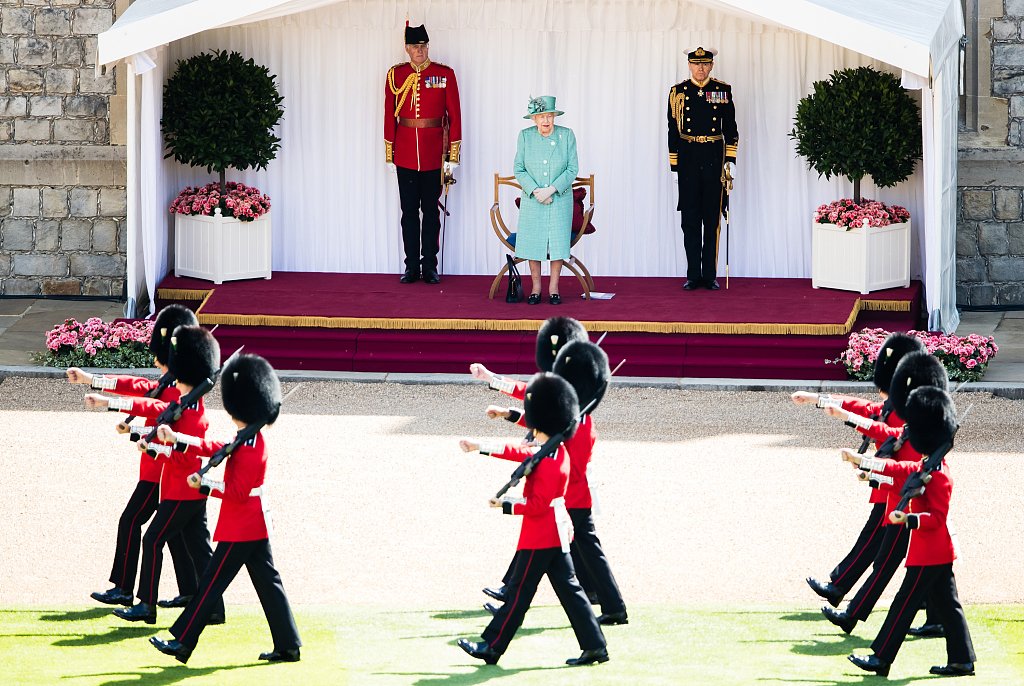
[
  {"x": 173, "y": 648},
  {"x": 500, "y": 594},
  {"x": 492, "y": 608},
  {"x": 138, "y": 613},
  {"x": 928, "y": 631},
  {"x": 613, "y": 618},
  {"x": 954, "y": 669},
  {"x": 290, "y": 655},
  {"x": 589, "y": 657},
  {"x": 176, "y": 601},
  {"x": 826, "y": 590},
  {"x": 114, "y": 596},
  {"x": 870, "y": 663},
  {"x": 841, "y": 619},
  {"x": 480, "y": 651}
]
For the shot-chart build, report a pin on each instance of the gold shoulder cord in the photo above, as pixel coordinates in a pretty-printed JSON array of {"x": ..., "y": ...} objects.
[
  {"x": 678, "y": 100},
  {"x": 401, "y": 93}
]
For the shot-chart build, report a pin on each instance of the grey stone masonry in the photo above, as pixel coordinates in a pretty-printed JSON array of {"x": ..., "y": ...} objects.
[
  {"x": 990, "y": 246},
  {"x": 62, "y": 184}
]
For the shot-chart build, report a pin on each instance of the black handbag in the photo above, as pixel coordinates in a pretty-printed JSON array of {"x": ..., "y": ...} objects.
[{"x": 514, "y": 294}]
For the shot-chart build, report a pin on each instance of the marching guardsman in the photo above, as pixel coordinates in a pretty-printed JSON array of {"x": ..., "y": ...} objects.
[
  {"x": 585, "y": 366},
  {"x": 252, "y": 397},
  {"x": 702, "y": 143},
  {"x": 931, "y": 421},
  {"x": 915, "y": 370},
  {"x": 852, "y": 567},
  {"x": 422, "y": 134},
  {"x": 194, "y": 357},
  {"x": 550, "y": 409},
  {"x": 143, "y": 501}
]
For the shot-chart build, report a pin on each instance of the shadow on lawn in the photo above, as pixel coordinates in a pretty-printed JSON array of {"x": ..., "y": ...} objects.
[
  {"x": 76, "y": 615},
  {"x": 161, "y": 675},
  {"x": 481, "y": 674},
  {"x": 522, "y": 631},
  {"x": 113, "y": 635},
  {"x": 867, "y": 680}
]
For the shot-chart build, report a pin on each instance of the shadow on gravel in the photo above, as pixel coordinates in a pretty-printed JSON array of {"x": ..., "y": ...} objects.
[
  {"x": 76, "y": 615},
  {"x": 120, "y": 633}
]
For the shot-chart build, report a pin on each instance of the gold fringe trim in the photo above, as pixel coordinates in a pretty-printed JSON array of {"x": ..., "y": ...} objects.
[
  {"x": 885, "y": 305},
  {"x": 183, "y": 294},
  {"x": 526, "y": 325}
]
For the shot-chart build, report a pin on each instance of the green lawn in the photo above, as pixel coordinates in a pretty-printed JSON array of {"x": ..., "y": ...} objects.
[{"x": 85, "y": 646}]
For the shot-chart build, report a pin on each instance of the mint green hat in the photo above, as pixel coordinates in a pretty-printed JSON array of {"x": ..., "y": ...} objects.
[{"x": 541, "y": 105}]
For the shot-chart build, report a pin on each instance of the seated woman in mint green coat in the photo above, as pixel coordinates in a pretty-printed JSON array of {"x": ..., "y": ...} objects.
[{"x": 545, "y": 166}]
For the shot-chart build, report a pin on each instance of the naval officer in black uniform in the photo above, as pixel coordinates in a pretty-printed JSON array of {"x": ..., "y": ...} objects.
[{"x": 702, "y": 142}]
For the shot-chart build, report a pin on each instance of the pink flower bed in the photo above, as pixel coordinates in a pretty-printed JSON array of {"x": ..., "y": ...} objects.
[
  {"x": 965, "y": 357},
  {"x": 847, "y": 213},
  {"x": 242, "y": 202}
]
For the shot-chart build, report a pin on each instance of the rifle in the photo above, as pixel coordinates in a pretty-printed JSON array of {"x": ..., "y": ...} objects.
[
  {"x": 172, "y": 413},
  {"x": 549, "y": 446},
  {"x": 915, "y": 484},
  {"x": 162, "y": 385},
  {"x": 244, "y": 435}
]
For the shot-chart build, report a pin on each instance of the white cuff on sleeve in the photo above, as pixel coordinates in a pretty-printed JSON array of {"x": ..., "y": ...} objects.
[
  {"x": 503, "y": 384},
  {"x": 116, "y": 404},
  {"x": 872, "y": 464},
  {"x": 103, "y": 383}
]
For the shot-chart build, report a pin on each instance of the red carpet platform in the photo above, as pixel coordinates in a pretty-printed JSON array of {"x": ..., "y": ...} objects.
[{"x": 758, "y": 328}]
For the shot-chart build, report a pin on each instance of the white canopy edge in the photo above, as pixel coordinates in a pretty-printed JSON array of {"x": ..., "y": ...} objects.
[{"x": 147, "y": 24}]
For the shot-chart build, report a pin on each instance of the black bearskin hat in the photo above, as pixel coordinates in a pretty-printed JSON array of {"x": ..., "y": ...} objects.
[
  {"x": 913, "y": 371},
  {"x": 250, "y": 390},
  {"x": 553, "y": 334},
  {"x": 585, "y": 366},
  {"x": 931, "y": 419},
  {"x": 169, "y": 319},
  {"x": 551, "y": 404},
  {"x": 195, "y": 355},
  {"x": 889, "y": 355}
]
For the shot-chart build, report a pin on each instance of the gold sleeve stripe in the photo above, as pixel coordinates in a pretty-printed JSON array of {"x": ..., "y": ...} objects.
[
  {"x": 731, "y": 150},
  {"x": 389, "y": 151},
  {"x": 453, "y": 153}
]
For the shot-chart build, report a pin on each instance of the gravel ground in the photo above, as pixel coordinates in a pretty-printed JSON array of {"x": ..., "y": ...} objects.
[{"x": 706, "y": 498}]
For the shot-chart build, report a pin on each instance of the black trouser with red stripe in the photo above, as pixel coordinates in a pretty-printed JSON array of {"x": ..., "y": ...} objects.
[
  {"x": 174, "y": 518},
  {"x": 590, "y": 563},
  {"x": 852, "y": 567},
  {"x": 936, "y": 585},
  {"x": 890, "y": 555},
  {"x": 419, "y": 191},
  {"x": 225, "y": 565},
  {"x": 141, "y": 506},
  {"x": 529, "y": 567}
]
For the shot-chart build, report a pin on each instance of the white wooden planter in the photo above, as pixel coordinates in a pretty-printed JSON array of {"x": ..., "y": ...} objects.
[
  {"x": 220, "y": 248},
  {"x": 861, "y": 259}
]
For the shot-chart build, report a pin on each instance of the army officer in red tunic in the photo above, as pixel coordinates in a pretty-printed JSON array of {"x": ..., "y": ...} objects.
[{"x": 422, "y": 134}]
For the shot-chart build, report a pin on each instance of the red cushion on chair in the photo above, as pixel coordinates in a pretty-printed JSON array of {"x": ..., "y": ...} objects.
[{"x": 578, "y": 194}]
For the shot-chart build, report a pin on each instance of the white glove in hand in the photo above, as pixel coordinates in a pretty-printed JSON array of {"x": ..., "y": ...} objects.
[
  {"x": 544, "y": 194},
  {"x": 547, "y": 201},
  {"x": 449, "y": 167},
  {"x": 392, "y": 167},
  {"x": 730, "y": 170}
]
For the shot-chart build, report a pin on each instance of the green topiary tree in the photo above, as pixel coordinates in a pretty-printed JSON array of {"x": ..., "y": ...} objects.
[
  {"x": 220, "y": 111},
  {"x": 861, "y": 121}
]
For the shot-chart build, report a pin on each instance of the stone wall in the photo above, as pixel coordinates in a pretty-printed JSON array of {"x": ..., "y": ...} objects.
[
  {"x": 990, "y": 183},
  {"x": 62, "y": 182}
]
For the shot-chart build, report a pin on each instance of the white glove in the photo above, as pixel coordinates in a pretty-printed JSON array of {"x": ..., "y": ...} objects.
[
  {"x": 548, "y": 200},
  {"x": 392, "y": 167},
  {"x": 730, "y": 170},
  {"x": 449, "y": 167},
  {"x": 543, "y": 194}
]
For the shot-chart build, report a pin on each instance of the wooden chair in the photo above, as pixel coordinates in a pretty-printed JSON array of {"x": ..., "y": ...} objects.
[{"x": 506, "y": 235}]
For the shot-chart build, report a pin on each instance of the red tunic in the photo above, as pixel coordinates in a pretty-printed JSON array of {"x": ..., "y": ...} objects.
[
  {"x": 879, "y": 432},
  {"x": 581, "y": 449},
  {"x": 241, "y": 515},
  {"x": 870, "y": 408},
  {"x": 930, "y": 543},
  {"x": 177, "y": 467},
  {"x": 546, "y": 483},
  {"x": 149, "y": 469},
  {"x": 430, "y": 94}
]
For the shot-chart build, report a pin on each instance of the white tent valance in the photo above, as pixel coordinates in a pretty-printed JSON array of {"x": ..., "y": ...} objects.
[{"x": 610, "y": 63}]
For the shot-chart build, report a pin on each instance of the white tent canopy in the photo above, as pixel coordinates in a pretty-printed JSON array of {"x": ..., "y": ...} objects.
[{"x": 610, "y": 63}]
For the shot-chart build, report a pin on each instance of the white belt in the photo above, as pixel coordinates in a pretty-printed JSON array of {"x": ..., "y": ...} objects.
[
  {"x": 562, "y": 523},
  {"x": 256, "y": 492}
]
